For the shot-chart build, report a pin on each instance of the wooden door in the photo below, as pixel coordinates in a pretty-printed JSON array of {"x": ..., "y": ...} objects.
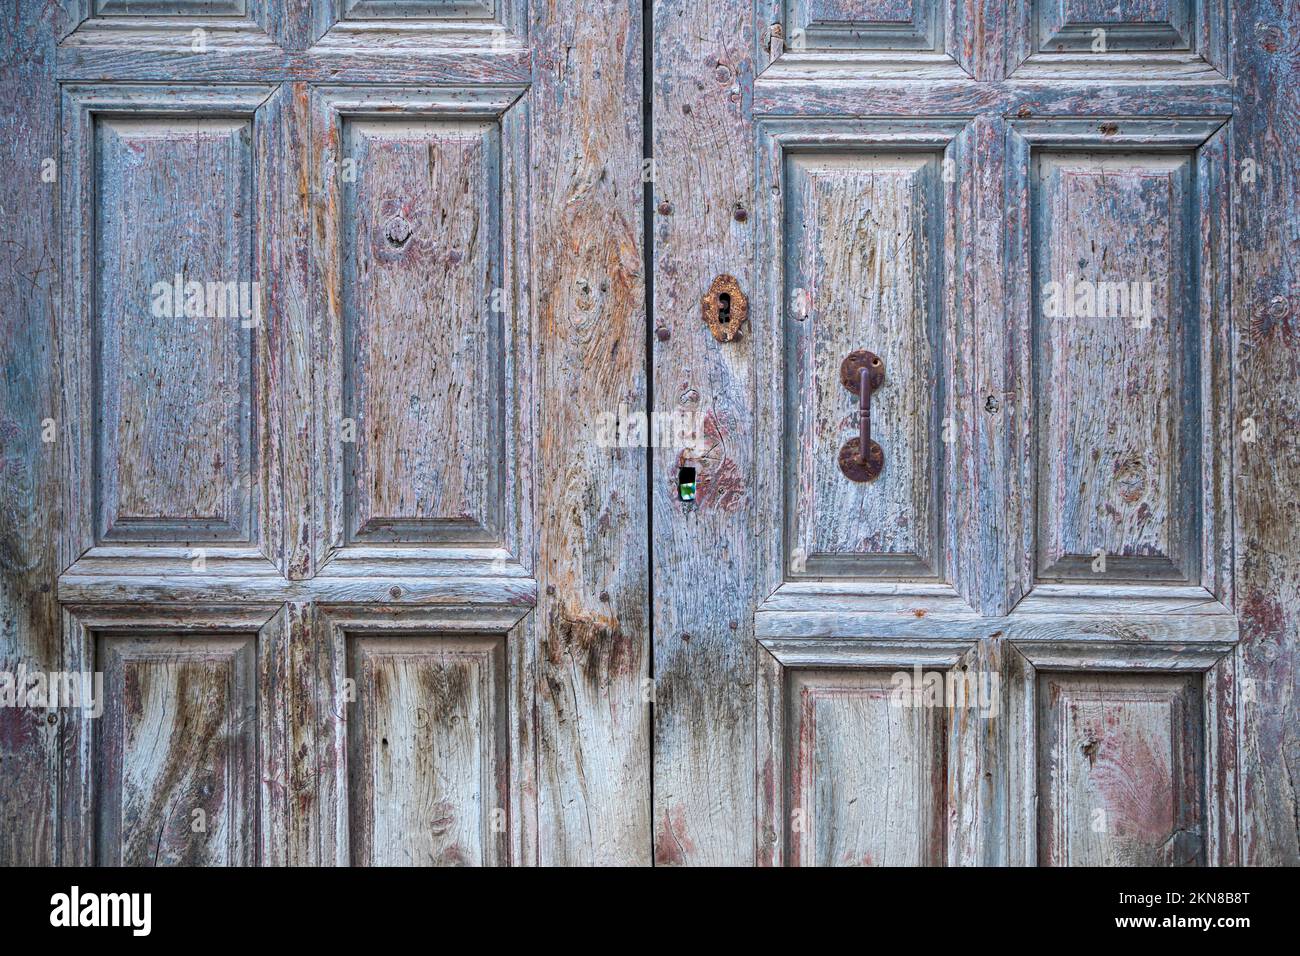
[
  {"x": 316, "y": 316},
  {"x": 1073, "y": 519},
  {"x": 316, "y": 499}
]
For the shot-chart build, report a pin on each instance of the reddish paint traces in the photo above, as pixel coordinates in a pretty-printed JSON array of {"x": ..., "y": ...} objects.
[
  {"x": 719, "y": 483},
  {"x": 1135, "y": 784},
  {"x": 1262, "y": 616},
  {"x": 723, "y": 489},
  {"x": 672, "y": 844},
  {"x": 18, "y": 729}
]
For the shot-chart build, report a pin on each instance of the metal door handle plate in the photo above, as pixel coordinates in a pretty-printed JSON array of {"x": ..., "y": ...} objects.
[{"x": 861, "y": 458}]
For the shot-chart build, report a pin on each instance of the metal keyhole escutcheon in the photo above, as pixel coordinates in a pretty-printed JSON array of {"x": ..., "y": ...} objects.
[{"x": 861, "y": 458}]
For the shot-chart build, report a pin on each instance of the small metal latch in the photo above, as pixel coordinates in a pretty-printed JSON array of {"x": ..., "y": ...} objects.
[
  {"x": 862, "y": 373},
  {"x": 725, "y": 308}
]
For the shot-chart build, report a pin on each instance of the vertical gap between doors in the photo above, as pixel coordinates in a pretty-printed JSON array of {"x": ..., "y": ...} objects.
[{"x": 647, "y": 220}]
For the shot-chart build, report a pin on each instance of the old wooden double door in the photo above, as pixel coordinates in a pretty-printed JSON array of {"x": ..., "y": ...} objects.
[{"x": 348, "y": 500}]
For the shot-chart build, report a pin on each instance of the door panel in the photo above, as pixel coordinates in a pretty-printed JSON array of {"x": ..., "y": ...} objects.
[
  {"x": 856, "y": 766},
  {"x": 862, "y": 240},
  {"x": 420, "y": 461},
  {"x": 1129, "y": 753},
  {"x": 178, "y": 751},
  {"x": 424, "y": 298},
  {"x": 171, "y": 764},
  {"x": 1120, "y": 770},
  {"x": 347, "y": 448},
  {"x": 164, "y": 341},
  {"x": 868, "y": 775},
  {"x": 1118, "y": 396},
  {"x": 172, "y": 196},
  {"x": 427, "y": 751}
]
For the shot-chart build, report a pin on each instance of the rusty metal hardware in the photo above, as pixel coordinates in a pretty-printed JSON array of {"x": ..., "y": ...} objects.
[
  {"x": 725, "y": 308},
  {"x": 862, "y": 373}
]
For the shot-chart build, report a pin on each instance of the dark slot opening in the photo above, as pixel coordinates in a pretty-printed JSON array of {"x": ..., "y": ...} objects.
[{"x": 686, "y": 483}]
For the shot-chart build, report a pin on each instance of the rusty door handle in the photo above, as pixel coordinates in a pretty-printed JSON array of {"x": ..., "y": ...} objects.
[{"x": 861, "y": 458}]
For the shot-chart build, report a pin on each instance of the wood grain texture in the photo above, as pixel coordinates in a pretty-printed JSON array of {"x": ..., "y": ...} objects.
[
  {"x": 706, "y": 576},
  {"x": 195, "y": 433},
  {"x": 427, "y": 761},
  {"x": 1117, "y": 394},
  {"x": 421, "y": 257},
  {"x": 1265, "y": 331},
  {"x": 179, "y": 733},
  {"x": 1071, "y": 452},
  {"x": 1164, "y": 792},
  {"x": 1159, "y": 35},
  {"x": 30, "y": 470},
  {"x": 849, "y": 774},
  {"x": 591, "y": 626},
  {"x": 567, "y": 682},
  {"x": 1120, "y": 770},
  {"x": 173, "y": 220},
  {"x": 867, "y": 776},
  {"x": 862, "y": 235},
  {"x": 177, "y": 751},
  {"x": 424, "y": 407}
]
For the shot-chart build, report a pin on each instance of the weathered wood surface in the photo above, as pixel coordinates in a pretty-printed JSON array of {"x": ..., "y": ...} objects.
[
  {"x": 176, "y": 751},
  {"x": 1120, "y": 777},
  {"x": 173, "y": 198},
  {"x": 706, "y": 577},
  {"x": 591, "y": 626},
  {"x": 30, "y": 469},
  {"x": 1117, "y": 467},
  {"x": 1266, "y": 331},
  {"x": 861, "y": 249},
  {"x": 427, "y": 762},
  {"x": 419, "y": 246},
  {"x": 556, "y": 730},
  {"x": 867, "y": 777}
]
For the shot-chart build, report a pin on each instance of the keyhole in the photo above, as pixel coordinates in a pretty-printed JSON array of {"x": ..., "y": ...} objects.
[
  {"x": 686, "y": 483},
  {"x": 724, "y": 307}
]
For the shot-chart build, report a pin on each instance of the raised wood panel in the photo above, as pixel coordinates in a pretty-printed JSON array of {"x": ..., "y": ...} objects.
[
  {"x": 423, "y": 325},
  {"x": 1117, "y": 383},
  {"x": 1130, "y": 39},
  {"x": 174, "y": 207},
  {"x": 171, "y": 8},
  {"x": 1120, "y": 769},
  {"x": 863, "y": 265},
  {"x": 427, "y": 751},
  {"x": 866, "y": 775},
  {"x": 422, "y": 375},
  {"x": 865, "y": 11},
  {"x": 177, "y": 751},
  {"x": 865, "y": 24},
  {"x": 1128, "y": 25},
  {"x": 857, "y": 763},
  {"x": 418, "y": 9}
]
